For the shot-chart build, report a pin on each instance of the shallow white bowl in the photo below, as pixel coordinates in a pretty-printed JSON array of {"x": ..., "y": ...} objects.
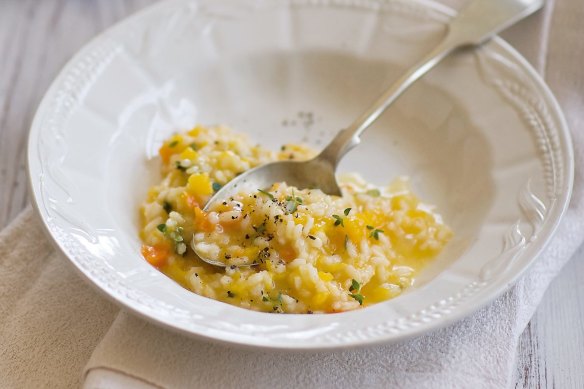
[{"x": 481, "y": 137}]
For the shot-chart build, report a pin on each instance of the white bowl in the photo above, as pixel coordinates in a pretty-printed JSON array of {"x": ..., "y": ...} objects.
[{"x": 481, "y": 137}]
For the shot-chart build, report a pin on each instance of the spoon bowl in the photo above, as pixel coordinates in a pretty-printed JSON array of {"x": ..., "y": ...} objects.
[{"x": 314, "y": 173}]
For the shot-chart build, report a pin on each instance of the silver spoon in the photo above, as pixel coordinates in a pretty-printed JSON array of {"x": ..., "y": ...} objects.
[{"x": 479, "y": 21}]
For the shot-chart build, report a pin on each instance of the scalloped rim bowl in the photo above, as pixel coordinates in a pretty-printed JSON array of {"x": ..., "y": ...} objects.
[{"x": 481, "y": 137}]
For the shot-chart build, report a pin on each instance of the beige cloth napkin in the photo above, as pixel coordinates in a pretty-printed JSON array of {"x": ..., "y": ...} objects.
[{"x": 51, "y": 321}]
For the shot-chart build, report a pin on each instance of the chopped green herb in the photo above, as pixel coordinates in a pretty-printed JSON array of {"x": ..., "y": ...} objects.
[
  {"x": 230, "y": 294},
  {"x": 265, "y": 299},
  {"x": 355, "y": 286},
  {"x": 180, "y": 167},
  {"x": 292, "y": 203},
  {"x": 338, "y": 220},
  {"x": 358, "y": 297},
  {"x": 291, "y": 206},
  {"x": 216, "y": 186},
  {"x": 260, "y": 229},
  {"x": 167, "y": 207},
  {"x": 161, "y": 228},
  {"x": 279, "y": 298},
  {"x": 173, "y": 143},
  {"x": 312, "y": 237},
  {"x": 271, "y": 196},
  {"x": 346, "y": 211},
  {"x": 373, "y": 192},
  {"x": 176, "y": 235},
  {"x": 194, "y": 146},
  {"x": 370, "y": 227},
  {"x": 375, "y": 233}
]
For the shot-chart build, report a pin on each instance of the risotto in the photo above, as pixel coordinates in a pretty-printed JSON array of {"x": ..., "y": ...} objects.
[{"x": 303, "y": 251}]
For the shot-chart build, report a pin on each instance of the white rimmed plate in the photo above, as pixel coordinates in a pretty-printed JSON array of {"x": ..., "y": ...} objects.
[{"x": 481, "y": 137}]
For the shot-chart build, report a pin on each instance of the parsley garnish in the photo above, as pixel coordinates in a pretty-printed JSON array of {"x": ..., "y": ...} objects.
[
  {"x": 292, "y": 203},
  {"x": 173, "y": 143},
  {"x": 375, "y": 233},
  {"x": 179, "y": 246},
  {"x": 180, "y": 167},
  {"x": 356, "y": 288},
  {"x": 260, "y": 229},
  {"x": 278, "y": 301},
  {"x": 346, "y": 211},
  {"x": 167, "y": 207},
  {"x": 374, "y": 192},
  {"x": 194, "y": 146},
  {"x": 216, "y": 186},
  {"x": 338, "y": 220},
  {"x": 358, "y": 297},
  {"x": 370, "y": 227},
  {"x": 271, "y": 196},
  {"x": 291, "y": 206},
  {"x": 177, "y": 235}
]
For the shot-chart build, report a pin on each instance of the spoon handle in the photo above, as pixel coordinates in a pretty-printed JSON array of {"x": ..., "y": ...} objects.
[
  {"x": 477, "y": 22},
  {"x": 349, "y": 137}
]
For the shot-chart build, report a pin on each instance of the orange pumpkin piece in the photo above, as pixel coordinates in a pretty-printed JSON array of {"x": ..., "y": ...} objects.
[
  {"x": 192, "y": 202},
  {"x": 172, "y": 146},
  {"x": 202, "y": 221},
  {"x": 287, "y": 253},
  {"x": 156, "y": 255}
]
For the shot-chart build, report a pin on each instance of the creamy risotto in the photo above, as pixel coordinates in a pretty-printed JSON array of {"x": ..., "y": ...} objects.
[{"x": 286, "y": 249}]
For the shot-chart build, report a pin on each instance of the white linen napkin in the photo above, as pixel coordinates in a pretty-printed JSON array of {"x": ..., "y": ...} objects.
[
  {"x": 51, "y": 320},
  {"x": 478, "y": 352}
]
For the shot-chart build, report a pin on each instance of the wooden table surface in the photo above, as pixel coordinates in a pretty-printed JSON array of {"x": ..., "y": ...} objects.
[{"x": 38, "y": 37}]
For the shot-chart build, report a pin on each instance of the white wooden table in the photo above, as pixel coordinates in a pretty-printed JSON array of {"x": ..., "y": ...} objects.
[{"x": 38, "y": 37}]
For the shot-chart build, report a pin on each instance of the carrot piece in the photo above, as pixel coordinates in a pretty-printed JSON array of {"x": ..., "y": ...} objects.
[
  {"x": 156, "y": 255},
  {"x": 287, "y": 253},
  {"x": 172, "y": 146},
  {"x": 165, "y": 152},
  {"x": 202, "y": 222},
  {"x": 192, "y": 202}
]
